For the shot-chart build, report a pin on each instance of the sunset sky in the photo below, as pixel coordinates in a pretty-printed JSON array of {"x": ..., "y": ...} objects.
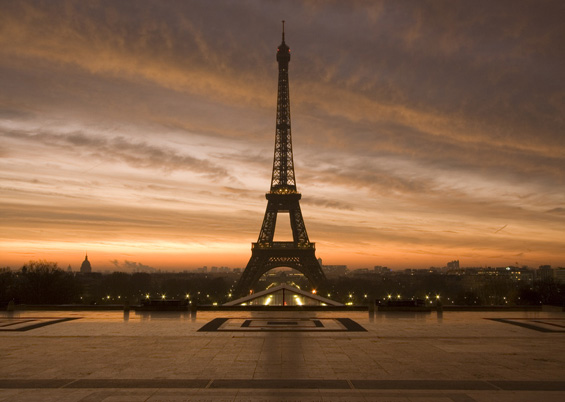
[{"x": 143, "y": 131}]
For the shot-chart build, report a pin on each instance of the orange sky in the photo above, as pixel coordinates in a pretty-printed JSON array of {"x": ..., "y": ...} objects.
[{"x": 143, "y": 131}]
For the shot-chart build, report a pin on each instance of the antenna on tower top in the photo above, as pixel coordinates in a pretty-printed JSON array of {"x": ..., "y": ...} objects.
[{"x": 283, "y": 31}]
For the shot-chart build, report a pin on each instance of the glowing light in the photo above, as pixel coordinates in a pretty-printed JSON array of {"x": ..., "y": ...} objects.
[{"x": 163, "y": 296}]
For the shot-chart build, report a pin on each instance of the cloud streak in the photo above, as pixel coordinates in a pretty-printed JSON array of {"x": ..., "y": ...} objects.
[{"x": 137, "y": 154}]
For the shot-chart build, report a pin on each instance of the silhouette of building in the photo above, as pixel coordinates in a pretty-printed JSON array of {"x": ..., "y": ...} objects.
[
  {"x": 544, "y": 272},
  {"x": 335, "y": 271},
  {"x": 559, "y": 274},
  {"x": 453, "y": 264},
  {"x": 379, "y": 269},
  {"x": 283, "y": 197},
  {"x": 85, "y": 267}
]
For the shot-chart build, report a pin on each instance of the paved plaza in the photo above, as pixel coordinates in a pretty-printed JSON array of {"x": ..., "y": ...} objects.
[{"x": 282, "y": 356}]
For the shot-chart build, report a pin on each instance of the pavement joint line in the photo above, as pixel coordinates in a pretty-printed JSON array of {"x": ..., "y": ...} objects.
[
  {"x": 69, "y": 383},
  {"x": 474, "y": 385},
  {"x": 460, "y": 398},
  {"x": 494, "y": 385},
  {"x": 455, "y": 397},
  {"x": 300, "y": 383},
  {"x": 151, "y": 396}
]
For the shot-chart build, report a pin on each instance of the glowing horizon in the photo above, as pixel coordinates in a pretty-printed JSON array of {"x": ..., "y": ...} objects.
[{"x": 147, "y": 136}]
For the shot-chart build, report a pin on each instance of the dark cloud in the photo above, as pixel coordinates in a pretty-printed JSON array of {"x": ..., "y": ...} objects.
[
  {"x": 120, "y": 149},
  {"x": 327, "y": 203},
  {"x": 14, "y": 114}
]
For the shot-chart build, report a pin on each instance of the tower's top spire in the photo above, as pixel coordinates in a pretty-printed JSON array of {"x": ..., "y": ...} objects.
[{"x": 283, "y": 51}]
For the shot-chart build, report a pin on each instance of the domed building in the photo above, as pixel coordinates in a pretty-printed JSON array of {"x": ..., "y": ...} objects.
[{"x": 85, "y": 268}]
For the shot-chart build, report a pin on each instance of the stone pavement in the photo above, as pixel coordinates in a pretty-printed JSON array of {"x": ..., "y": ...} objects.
[{"x": 282, "y": 356}]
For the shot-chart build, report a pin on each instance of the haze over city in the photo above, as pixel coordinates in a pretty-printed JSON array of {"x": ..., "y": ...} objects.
[{"x": 143, "y": 131}]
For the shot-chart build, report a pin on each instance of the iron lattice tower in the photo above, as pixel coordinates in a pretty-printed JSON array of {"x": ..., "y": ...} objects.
[{"x": 266, "y": 253}]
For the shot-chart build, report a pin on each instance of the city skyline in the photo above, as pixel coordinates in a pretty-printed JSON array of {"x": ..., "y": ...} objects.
[{"x": 423, "y": 132}]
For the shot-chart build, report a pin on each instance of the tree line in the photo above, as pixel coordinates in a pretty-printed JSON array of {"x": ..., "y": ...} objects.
[{"x": 43, "y": 282}]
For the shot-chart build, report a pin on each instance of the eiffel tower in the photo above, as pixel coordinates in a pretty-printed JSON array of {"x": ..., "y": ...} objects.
[{"x": 267, "y": 254}]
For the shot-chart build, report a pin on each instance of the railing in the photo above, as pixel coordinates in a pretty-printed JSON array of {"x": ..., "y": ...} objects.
[{"x": 283, "y": 245}]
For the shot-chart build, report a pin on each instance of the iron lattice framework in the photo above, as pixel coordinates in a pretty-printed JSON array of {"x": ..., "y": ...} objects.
[{"x": 266, "y": 253}]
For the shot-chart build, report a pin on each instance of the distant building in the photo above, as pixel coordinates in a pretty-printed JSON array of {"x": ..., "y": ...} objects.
[
  {"x": 544, "y": 272},
  {"x": 378, "y": 269},
  {"x": 559, "y": 274},
  {"x": 85, "y": 268},
  {"x": 334, "y": 270},
  {"x": 453, "y": 264}
]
